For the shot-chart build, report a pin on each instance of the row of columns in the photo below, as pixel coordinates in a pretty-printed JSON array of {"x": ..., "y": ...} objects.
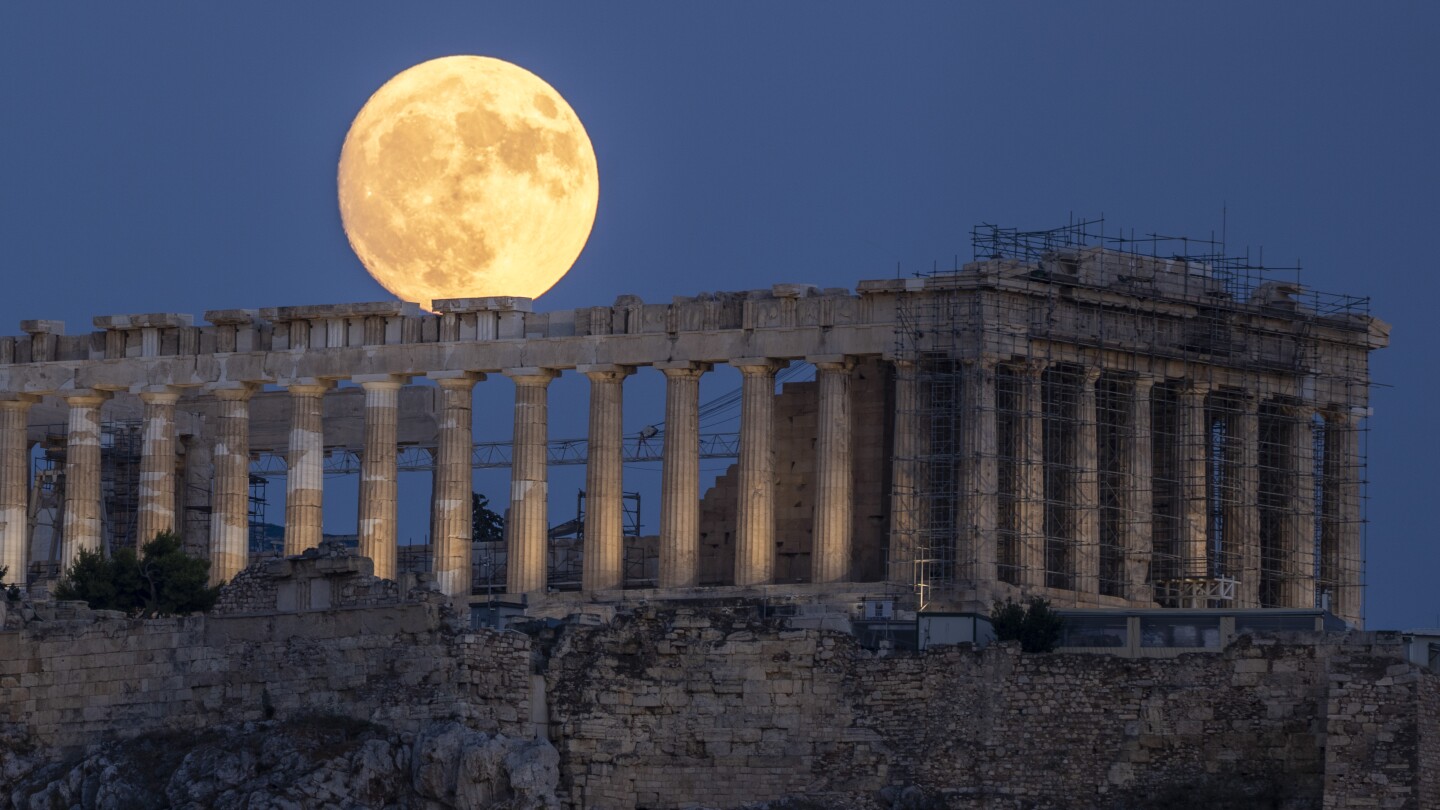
[{"x": 978, "y": 495}]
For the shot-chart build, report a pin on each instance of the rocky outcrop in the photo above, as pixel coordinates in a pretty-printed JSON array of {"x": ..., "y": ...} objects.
[{"x": 318, "y": 762}]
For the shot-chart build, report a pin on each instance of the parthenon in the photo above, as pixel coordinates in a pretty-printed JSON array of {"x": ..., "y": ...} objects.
[{"x": 1088, "y": 423}]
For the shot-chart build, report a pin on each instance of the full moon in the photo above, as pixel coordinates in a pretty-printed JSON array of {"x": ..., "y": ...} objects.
[{"x": 466, "y": 177}]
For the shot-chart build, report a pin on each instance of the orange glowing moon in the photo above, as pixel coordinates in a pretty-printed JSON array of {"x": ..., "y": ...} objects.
[{"x": 466, "y": 177}]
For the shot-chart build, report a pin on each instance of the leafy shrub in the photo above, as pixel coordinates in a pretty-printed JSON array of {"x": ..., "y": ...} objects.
[
  {"x": 163, "y": 581},
  {"x": 1035, "y": 625}
]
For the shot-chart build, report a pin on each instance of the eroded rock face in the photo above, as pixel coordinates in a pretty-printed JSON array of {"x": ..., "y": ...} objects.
[{"x": 316, "y": 762}]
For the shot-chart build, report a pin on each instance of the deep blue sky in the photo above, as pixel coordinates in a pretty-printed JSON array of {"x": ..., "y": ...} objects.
[{"x": 181, "y": 157}]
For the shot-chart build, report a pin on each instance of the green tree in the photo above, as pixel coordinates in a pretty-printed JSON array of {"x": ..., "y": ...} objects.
[
  {"x": 12, "y": 591},
  {"x": 485, "y": 523},
  {"x": 164, "y": 581},
  {"x": 1035, "y": 626}
]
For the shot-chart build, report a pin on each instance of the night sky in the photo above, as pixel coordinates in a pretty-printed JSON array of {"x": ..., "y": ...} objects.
[{"x": 181, "y": 157}]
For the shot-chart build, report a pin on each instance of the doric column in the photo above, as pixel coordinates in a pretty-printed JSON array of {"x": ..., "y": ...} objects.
[
  {"x": 378, "y": 473},
  {"x": 979, "y": 473},
  {"x": 604, "y": 480},
  {"x": 529, "y": 488},
  {"x": 1299, "y": 538},
  {"x": 157, "y": 466},
  {"x": 1193, "y": 453},
  {"x": 755, "y": 513},
  {"x": 1137, "y": 462},
  {"x": 1242, "y": 508},
  {"x": 305, "y": 481},
  {"x": 1340, "y": 537},
  {"x": 82, "y": 475},
  {"x": 830, "y": 554},
  {"x": 15, "y": 486},
  {"x": 451, "y": 527},
  {"x": 680, "y": 476},
  {"x": 904, "y": 478},
  {"x": 1085, "y": 484},
  {"x": 230, "y": 491},
  {"x": 1030, "y": 475}
]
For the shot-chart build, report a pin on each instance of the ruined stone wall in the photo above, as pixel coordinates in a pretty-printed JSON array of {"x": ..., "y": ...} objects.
[
  {"x": 1428, "y": 762},
  {"x": 1372, "y": 734},
  {"x": 665, "y": 709},
  {"x": 73, "y": 681}
]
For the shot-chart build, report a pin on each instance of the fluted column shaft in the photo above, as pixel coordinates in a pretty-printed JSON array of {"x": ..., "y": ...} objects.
[
  {"x": 529, "y": 487},
  {"x": 1341, "y": 536},
  {"x": 15, "y": 487},
  {"x": 979, "y": 473},
  {"x": 451, "y": 526},
  {"x": 157, "y": 467},
  {"x": 379, "y": 476},
  {"x": 1030, "y": 476},
  {"x": 830, "y": 554},
  {"x": 305, "y": 481},
  {"x": 1137, "y": 508},
  {"x": 230, "y": 497},
  {"x": 82, "y": 477},
  {"x": 1299, "y": 548},
  {"x": 1085, "y": 484},
  {"x": 1242, "y": 507},
  {"x": 904, "y": 483},
  {"x": 1193, "y": 454},
  {"x": 755, "y": 515},
  {"x": 680, "y": 477},
  {"x": 604, "y": 557}
]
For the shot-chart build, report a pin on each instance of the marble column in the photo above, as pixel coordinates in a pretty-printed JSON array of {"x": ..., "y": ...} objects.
[
  {"x": 451, "y": 526},
  {"x": 979, "y": 474},
  {"x": 755, "y": 513},
  {"x": 1085, "y": 485},
  {"x": 1137, "y": 461},
  {"x": 157, "y": 465},
  {"x": 604, "y": 555},
  {"x": 378, "y": 473},
  {"x": 904, "y": 479},
  {"x": 81, "y": 529},
  {"x": 15, "y": 486},
  {"x": 1242, "y": 507},
  {"x": 305, "y": 480},
  {"x": 1030, "y": 475},
  {"x": 1340, "y": 540},
  {"x": 1299, "y": 538},
  {"x": 680, "y": 476},
  {"x": 1193, "y": 454},
  {"x": 529, "y": 488},
  {"x": 230, "y": 490},
  {"x": 834, "y": 503}
]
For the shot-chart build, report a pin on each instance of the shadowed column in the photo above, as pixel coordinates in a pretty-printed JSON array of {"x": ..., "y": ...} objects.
[
  {"x": 604, "y": 476},
  {"x": 82, "y": 475},
  {"x": 755, "y": 515},
  {"x": 157, "y": 466},
  {"x": 1341, "y": 539},
  {"x": 904, "y": 502},
  {"x": 979, "y": 473},
  {"x": 451, "y": 526},
  {"x": 1193, "y": 454},
  {"x": 378, "y": 474},
  {"x": 15, "y": 485},
  {"x": 1299, "y": 538},
  {"x": 830, "y": 554},
  {"x": 1085, "y": 492},
  {"x": 305, "y": 481},
  {"x": 1137, "y": 462},
  {"x": 529, "y": 487},
  {"x": 230, "y": 501},
  {"x": 1030, "y": 475},
  {"x": 680, "y": 476},
  {"x": 1242, "y": 508}
]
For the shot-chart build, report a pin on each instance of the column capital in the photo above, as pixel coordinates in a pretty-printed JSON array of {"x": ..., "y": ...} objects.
[
  {"x": 832, "y": 362},
  {"x": 1033, "y": 367},
  {"x": 533, "y": 376},
  {"x": 605, "y": 372},
  {"x": 1091, "y": 374},
  {"x": 160, "y": 395},
  {"x": 683, "y": 369},
  {"x": 380, "y": 382},
  {"x": 232, "y": 391},
  {"x": 1193, "y": 386},
  {"x": 1296, "y": 410},
  {"x": 1143, "y": 384},
  {"x": 456, "y": 379},
  {"x": 17, "y": 402},
  {"x": 307, "y": 386},
  {"x": 1340, "y": 414},
  {"x": 984, "y": 363},
  {"x": 84, "y": 396},
  {"x": 758, "y": 366}
]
